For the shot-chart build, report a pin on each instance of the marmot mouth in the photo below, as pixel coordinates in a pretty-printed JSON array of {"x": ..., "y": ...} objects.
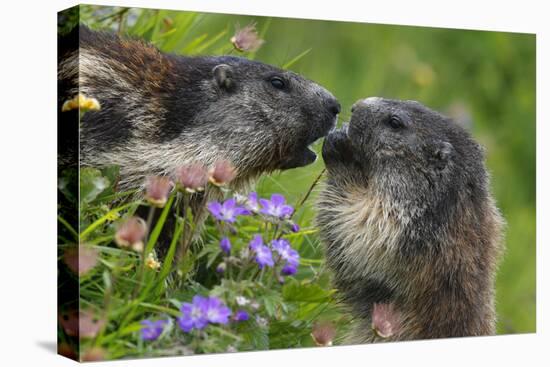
[
  {"x": 337, "y": 146},
  {"x": 303, "y": 156}
]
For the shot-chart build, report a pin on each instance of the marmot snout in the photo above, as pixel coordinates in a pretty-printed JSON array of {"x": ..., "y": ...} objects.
[{"x": 408, "y": 220}]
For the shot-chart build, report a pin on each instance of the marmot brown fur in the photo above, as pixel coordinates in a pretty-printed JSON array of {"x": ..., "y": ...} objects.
[
  {"x": 408, "y": 221},
  {"x": 160, "y": 111}
]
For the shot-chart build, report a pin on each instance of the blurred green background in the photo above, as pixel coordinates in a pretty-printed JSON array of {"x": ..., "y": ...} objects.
[{"x": 485, "y": 80}]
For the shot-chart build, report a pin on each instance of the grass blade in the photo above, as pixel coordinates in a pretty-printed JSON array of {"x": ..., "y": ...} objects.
[{"x": 296, "y": 59}]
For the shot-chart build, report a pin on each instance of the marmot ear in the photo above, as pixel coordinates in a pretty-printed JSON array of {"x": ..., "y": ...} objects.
[
  {"x": 223, "y": 75},
  {"x": 442, "y": 154}
]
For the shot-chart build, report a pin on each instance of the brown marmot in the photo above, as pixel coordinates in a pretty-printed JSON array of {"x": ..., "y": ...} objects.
[
  {"x": 160, "y": 111},
  {"x": 410, "y": 228}
]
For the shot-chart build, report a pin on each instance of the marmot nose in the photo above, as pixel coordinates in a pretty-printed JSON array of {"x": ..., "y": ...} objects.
[{"x": 334, "y": 106}]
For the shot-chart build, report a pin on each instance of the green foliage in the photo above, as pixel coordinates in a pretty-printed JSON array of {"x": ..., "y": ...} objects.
[{"x": 485, "y": 80}]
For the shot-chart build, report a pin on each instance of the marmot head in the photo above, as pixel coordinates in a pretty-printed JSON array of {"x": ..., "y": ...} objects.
[
  {"x": 261, "y": 117},
  {"x": 160, "y": 111},
  {"x": 415, "y": 160}
]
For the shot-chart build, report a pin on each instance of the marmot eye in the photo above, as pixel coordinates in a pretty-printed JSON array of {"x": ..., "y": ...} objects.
[
  {"x": 395, "y": 122},
  {"x": 277, "y": 82}
]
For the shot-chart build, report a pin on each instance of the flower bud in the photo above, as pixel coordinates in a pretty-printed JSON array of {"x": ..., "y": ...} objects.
[
  {"x": 131, "y": 234},
  {"x": 323, "y": 334},
  {"x": 192, "y": 177},
  {"x": 385, "y": 319},
  {"x": 94, "y": 354},
  {"x": 80, "y": 259},
  {"x": 157, "y": 190},
  {"x": 222, "y": 173},
  {"x": 246, "y": 39}
]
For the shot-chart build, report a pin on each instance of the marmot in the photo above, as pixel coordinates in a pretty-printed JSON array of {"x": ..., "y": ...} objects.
[
  {"x": 160, "y": 111},
  {"x": 408, "y": 222}
]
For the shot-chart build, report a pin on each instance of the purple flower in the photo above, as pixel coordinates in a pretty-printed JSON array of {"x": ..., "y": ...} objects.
[
  {"x": 228, "y": 211},
  {"x": 151, "y": 330},
  {"x": 264, "y": 256},
  {"x": 295, "y": 228},
  {"x": 289, "y": 269},
  {"x": 252, "y": 203},
  {"x": 287, "y": 253},
  {"x": 241, "y": 315},
  {"x": 263, "y": 253},
  {"x": 221, "y": 268},
  {"x": 276, "y": 207},
  {"x": 194, "y": 314},
  {"x": 216, "y": 311},
  {"x": 225, "y": 245},
  {"x": 256, "y": 242}
]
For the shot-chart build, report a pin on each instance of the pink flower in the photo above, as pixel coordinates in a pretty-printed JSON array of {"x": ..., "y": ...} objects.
[
  {"x": 157, "y": 190},
  {"x": 131, "y": 234},
  {"x": 192, "y": 177},
  {"x": 246, "y": 39},
  {"x": 94, "y": 354},
  {"x": 323, "y": 334},
  {"x": 386, "y": 319},
  {"x": 222, "y": 173},
  {"x": 83, "y": 324},
  {"x": 80, "y": 259}
]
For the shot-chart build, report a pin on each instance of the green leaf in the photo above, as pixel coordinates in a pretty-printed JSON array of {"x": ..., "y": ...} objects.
[
  {"x": 257, "y": 338},
  {"x": 271, "y": 301},
  {"x": 160, "y": 223},
  {"x": 68, "y": 226},
  {"x": 68, "y": 184},
  {"x": 208, "y": 43},
  {"x": 295, "y": 291},
  {"x": 111, "y": 173},
  {"x": 191, "y": 46},
  {"x": 183, "y": 22},
  {"x": 168, "y": 260},
  {"x": 287, "y": 334},
  {"x": 104, "y": 218},
  {"x": 92, "y": 183},
  {"x": 107, "y": 281},
  {"x": 212, "y": 251}
]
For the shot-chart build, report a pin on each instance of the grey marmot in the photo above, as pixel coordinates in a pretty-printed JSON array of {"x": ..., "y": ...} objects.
[
  {"x": 409, "y": 224},
  {"x": 160, "y": 111}
]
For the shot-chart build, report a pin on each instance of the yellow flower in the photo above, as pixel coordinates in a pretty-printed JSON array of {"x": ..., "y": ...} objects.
[
  {"x": 81, "y": 102},
  {"x": 152, "y": 263}
]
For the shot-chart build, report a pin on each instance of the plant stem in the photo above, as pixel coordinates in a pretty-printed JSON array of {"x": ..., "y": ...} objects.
[
  {"x": 309, "y": 191},
  {"x": 141, "y": 274},
  {"x": 112, "y": 15}
]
